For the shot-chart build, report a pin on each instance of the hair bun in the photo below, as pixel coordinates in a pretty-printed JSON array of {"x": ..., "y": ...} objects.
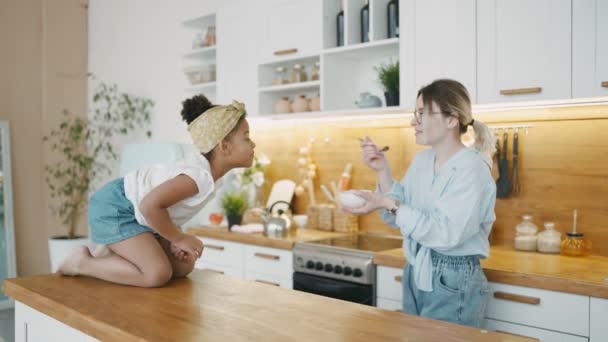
[{"x": 193, "y": 107}]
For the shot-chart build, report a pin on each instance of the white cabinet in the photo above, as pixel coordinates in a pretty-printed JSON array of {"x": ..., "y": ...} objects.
[
  {"x": 524, "y": 50},
  {"x": 549, "y": 310},
  {"x": 522, "y": 330},
  {"x": 34, "y": 326},
  {"x": 291, "y": 28},
  {"x": 589, "y": 48},
  {"x": 599, "y": 314},
  {"x": 438, "y": 41},
  {"x": 389, "y": 291},
  {"x": 262, "y": 264}
]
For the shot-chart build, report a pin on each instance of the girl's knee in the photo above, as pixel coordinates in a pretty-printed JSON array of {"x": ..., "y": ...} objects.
[
  {"x": 182, "y": 268},
  {"x": 158, "y": 276}
]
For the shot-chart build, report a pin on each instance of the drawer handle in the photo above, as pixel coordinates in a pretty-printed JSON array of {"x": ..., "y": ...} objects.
[
  {"x": 215, "y": 271},
  {"x": 267, "y": 282},
  {"x": 267, "y": 256},
  {"x": 518, "y": 335},
  {"x": 517, "y": 298},
  {"x": 398, "y": 278},
  {"x": 519, "y": 91},
  {"x": 219, "y": 248},
  {"x": 285, "y": 52},
  {"x": 605, "y": 84}
]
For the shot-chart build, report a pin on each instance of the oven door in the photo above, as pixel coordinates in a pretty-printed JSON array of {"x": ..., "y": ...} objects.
[{"x": 339, "y": 289}]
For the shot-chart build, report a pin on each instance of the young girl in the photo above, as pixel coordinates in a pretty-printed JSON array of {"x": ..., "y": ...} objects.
[
  {"x": 138, "y": 217},
  {"x": 444, "y": 207}
]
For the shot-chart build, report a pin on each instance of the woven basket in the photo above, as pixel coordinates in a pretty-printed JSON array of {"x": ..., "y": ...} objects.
[
  {"x": 313, "y": 217},
  {"x": 326, "y": 221},
  {"x": 345, "y": 222}
]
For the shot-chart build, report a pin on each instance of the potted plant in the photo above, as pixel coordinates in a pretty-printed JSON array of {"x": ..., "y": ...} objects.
[
  {"x": 234, "y": 205},
  {"x": 388, "y": 76},
  {"x": 251, "y": 179},
  {"x": 85, "y": 149}
]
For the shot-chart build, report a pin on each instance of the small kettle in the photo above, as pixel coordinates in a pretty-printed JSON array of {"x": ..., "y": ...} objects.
[
  {"x": 278, "y": 224},
  {"x": 367, "y": 100}
]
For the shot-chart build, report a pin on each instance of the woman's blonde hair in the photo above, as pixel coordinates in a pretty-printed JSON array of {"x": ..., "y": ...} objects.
[{"x": 453, "y": 100}]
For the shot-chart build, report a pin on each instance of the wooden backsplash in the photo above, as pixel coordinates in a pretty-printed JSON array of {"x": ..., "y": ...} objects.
[{"x": 563, "y": 164}]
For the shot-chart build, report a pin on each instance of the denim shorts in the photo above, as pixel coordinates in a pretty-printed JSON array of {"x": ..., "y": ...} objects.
[
  {"x": 460, "y": 291},
  {"x": 112, "y": 216}
]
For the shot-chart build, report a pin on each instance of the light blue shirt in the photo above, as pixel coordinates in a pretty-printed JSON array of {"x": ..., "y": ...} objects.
[{"x": 451, "y": 212}]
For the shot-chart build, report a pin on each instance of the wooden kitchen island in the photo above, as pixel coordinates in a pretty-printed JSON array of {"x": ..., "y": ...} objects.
[{"x": 208, "y": 306}]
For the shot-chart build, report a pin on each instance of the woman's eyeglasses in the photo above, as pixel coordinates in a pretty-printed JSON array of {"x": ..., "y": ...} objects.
[{"x": 418, "y": 115}]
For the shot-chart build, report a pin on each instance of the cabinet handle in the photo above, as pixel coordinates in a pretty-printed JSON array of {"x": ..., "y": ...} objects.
[
  {"x": 285, "y": 52},
  {"x": 219, "y": 248},
  {"x": 398, "y": 278},
  {"x": 518, "y": 335},
  {"x": 267, "y": 256},
  {"x": 267, "y": 282},
  {"x": 215, "y": 271},
  {"x": 519, "y": 91},
  {"x": 517, "y": 298},
  {"x": 605, "y": 84}
]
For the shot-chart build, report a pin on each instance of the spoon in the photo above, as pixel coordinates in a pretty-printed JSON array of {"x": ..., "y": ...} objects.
[{"x": 384, "y": 149}]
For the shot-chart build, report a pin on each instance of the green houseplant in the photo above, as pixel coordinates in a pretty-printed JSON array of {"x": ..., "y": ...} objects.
[
  {"x": 388, "y": 76},
  {"x": 234, "y": 205},
  {"x": 85, "y": 150}
]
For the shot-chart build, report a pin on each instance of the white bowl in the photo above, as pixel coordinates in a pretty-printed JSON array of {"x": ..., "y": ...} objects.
[
  {"x": 300, "y": 220},
  {"x": 350, "y": 200}
]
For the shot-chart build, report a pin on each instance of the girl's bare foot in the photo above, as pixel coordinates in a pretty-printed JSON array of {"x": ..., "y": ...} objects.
[{"x": 71, "y": 265}]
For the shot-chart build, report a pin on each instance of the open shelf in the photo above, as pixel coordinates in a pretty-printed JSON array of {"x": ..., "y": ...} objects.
[
  {"x": 311, "y": 85},
  {"x": 385, "y": 47},
  {"x": 200, "y": 22},
  {"x": 201, "y": 53},
  {"x": 209, "y": 86}
]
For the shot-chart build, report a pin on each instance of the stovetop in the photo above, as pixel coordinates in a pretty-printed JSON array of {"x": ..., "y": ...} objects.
[{"x": 348, "y": 258}]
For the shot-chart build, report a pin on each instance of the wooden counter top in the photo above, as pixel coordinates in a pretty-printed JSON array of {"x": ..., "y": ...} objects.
[
  {"x": 299, "y": 235},
  {"x": 585, "y": 275},
  {"x": 208, "y": 306}
]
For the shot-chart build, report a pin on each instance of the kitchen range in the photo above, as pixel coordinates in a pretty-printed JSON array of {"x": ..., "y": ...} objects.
[{"x": 341, "y": 267}]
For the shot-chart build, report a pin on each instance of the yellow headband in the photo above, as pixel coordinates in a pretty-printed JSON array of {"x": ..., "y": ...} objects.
[{"x": 214, "y": 125}]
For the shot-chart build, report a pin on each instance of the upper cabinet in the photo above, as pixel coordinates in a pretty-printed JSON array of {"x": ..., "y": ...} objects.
[
  {"x": 291, "y": 28},
  {"x": 524, "y": 50},
  {"x": 590, "y": 48},
  {"x": 438, "y": 41}
]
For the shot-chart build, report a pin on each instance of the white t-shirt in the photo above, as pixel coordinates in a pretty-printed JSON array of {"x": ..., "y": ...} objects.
[{"x": 141, "y": 181}]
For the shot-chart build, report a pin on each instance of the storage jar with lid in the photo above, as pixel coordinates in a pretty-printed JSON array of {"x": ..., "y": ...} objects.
[
  {"x": 549, "y": 240},
  {"x": 298, "y": 74},
  {"x": 525, "y": 234},
  {"x": 575, "y": 243},
  {"x": 316, "y": 72},
  {"x": 280, "y": 76}
]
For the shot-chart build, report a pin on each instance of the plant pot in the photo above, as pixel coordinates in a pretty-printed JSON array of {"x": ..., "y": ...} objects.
[
  {"x": 60, "y": 247},
  {"x": 392, "y": 98},
  {"x": 234, "y": 219}
]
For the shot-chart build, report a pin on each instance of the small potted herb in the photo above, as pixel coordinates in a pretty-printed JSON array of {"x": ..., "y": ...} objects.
[
  {"x": 234, "y": 205},
  {"x": 388, "y": 76}
]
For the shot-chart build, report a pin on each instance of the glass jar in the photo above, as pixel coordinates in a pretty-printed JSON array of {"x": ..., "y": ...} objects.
[
  {"x": 280, "y": 76},
  {"x": 575, "y": 244},
  {"x": 298, "y": 74},
  {"x": 210, "y": 37},
  {"x": 549, "y": 240},
  {"x": 198, "y": 42},
  {"x": 525, "y": 234},
  {"x": 316, "y": 72}
]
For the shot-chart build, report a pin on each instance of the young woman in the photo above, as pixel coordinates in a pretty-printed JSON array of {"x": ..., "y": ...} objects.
[
  {"x": 138, "y": 217},
  {"x": 444, "y": 207}
]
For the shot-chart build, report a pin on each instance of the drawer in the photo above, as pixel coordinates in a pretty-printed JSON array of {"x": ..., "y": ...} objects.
[
  {"x": 273, "y": 280},
  {"x": 389, "y": 304},
  {"x": 599, "y": 311},
  {"x": 545, "y": 309},
  {"x": 221, "y": 252},
  {"x": 389, "y": 283},
  {"x": 539, "y": 334},
  {"x": 269, "y": 261},
  {"x": 226, "y": 270}
]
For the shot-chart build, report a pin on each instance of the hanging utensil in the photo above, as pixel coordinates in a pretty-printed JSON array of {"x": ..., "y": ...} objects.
[
  {"x": 495, "y": 159},
  {"x": 503, "y": 184},
  {"x": 515, "y": 174}
]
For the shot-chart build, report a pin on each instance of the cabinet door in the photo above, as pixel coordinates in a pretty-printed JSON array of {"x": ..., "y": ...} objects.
[
  {"x": 292, "y": 29},
  {"x": 389, "y": 280},
  {"x": 270, "y": 261},
  {"x": 439, "y": 41},
  {"x": 598, "y": 312},
  {"x": 524, "y": 50},
  {"x": 589, "y": 48},
  {"x": 238, "y": 35}
]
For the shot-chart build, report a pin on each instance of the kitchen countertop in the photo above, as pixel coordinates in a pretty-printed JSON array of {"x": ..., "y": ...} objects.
[
  {"x": 207, "y": 306},
  {"x": 298, "y": 235},
  {"x": 580, "y": 275}
]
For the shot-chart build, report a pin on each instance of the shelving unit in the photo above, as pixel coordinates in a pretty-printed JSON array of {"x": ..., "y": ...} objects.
[
  {"x": 203, "y": 57},
  {"x": 345, "y": 71}
]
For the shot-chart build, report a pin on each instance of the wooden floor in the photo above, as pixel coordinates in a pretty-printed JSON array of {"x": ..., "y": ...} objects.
[{"x": 7, "y": 325}]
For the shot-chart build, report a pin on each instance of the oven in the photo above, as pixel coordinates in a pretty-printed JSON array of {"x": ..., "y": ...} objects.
[{"x": 334, "y": 288}]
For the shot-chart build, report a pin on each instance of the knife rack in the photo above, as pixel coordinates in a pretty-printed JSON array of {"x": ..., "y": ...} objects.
[{"x": 498, "y": 128}]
